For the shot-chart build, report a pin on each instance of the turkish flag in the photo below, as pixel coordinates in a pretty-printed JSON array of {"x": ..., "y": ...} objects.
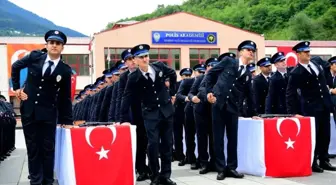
[
  {"x": 291, "y": 57},
  {"x": 73, "y": 85},
  {"x": 97, "y": 155},
  {"x": 289, "y": 146}
]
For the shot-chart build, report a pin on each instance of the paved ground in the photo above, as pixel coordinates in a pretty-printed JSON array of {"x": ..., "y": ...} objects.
[{"x": 13, "y": 171}]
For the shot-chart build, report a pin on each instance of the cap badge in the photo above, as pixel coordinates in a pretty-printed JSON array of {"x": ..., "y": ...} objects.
[
  {"x": 140, "y": 47},
  {"x": 231, "y": 55},
  {"x": 280, "y": 53},
  {"x": 306, "y": 43},
  {"x": 56, "y": 32},
  {"x": 129, "y": 50},
  {"x": 252, "y": 43}
]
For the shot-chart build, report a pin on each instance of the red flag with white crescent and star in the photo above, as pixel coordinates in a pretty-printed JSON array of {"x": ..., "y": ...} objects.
[
  {"x": 291, "y": 57},
  {"x": 289, "y": 146},
  {"x": 103, "y": 155}
]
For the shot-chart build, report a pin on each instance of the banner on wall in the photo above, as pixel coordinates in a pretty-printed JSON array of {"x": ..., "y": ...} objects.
[
  {"x": 14, "y": 53},
  {"x": 178, "y": 37}
]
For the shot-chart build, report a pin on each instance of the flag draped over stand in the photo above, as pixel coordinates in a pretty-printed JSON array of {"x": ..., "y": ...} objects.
[{"x": 96, "y": 155}]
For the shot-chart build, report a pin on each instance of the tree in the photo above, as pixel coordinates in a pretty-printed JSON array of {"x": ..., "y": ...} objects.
[{"x": 302, "y": 27}]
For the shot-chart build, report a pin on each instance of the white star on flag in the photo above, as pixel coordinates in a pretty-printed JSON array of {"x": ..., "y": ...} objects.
[
  {"x": 103, "y": 153},
  {"x": 290, "y": 143}
]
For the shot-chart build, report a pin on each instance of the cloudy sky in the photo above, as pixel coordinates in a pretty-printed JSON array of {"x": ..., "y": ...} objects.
[{"x": 89, "y": 16}]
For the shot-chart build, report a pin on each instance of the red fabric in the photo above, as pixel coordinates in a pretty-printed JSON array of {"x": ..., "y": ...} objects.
[
  {"x": 73, "y": 85},
  {"x": 291, "y": 57},
  {"x": 285, "y": 160},
  {"x": 114, "y": 168}
]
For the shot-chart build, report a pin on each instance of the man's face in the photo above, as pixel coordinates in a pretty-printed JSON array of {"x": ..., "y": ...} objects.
[
  {"x": 142, "y": 61},
  {"x": 333, "y": 67},
  {"x": 304, "y": 56},
  {"x": 108, "y": 80},
  {"x": 115, "y": 77},
  {"x": 54, "y": 47},
  {"x": 130, "y": 63},
  {"x": 266, "y": 69},
  {"x": 248, "y": 54},
  {"x": 281, "y": 64}
]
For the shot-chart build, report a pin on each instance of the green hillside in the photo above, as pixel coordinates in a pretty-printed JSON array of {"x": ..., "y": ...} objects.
[{"x": 276, "y": 19}]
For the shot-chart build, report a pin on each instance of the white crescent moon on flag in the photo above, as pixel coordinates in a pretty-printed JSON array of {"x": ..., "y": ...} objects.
[
  {"x": 291, "y": 54},
  {"x": 15, "y": 56},
  {"x": 296, "y": 120},
  {"x": 90, "y": 129}
]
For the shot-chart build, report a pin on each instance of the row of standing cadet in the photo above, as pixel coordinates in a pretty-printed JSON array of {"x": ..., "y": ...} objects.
[{"x": 7, "y": 129}]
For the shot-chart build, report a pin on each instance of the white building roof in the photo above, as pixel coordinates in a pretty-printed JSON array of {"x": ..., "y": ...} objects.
[{"x": 40, "y": 40}]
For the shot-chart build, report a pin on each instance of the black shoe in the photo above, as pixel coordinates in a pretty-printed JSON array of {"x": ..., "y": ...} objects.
[
  {"x": 327, "y": 166},
  {"x": 155, "y": 181},
  {"x": 317, "y": 169},
  {"x": 221, "y": 176},
  {"x": 234, "y": 174},
  {"x": 182, "y": 162},
  {"x": 165, "y": 181},
  {"x": 204, "y": 170},
  {"x": 142, "y": 176},
  {"x": 193, "y": 166}
]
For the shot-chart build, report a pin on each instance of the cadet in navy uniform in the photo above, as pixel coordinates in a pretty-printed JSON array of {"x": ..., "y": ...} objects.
[
  {"x": 308, "y": 79},
  {"x": 276, "y": 96},
  {"x": 190, "y": 126},
  {"x": 260, "y": 84},
  {"x": 202, "y": 116},
  {"x": 46, "y": 101},
  {"x": 179, "y": 118},
  {"x": 227, "y": 85},
  {"x": 135, "y": 117},
  {"x": 148, "y": 83}
]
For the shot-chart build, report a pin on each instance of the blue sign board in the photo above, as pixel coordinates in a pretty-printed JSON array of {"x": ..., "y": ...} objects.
[{"x": 178, "y": 37}]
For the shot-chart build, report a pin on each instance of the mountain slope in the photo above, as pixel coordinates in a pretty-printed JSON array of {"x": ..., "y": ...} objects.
[
  {"x": 277, "y": 20},
  {"x": 15, "y": 21}
]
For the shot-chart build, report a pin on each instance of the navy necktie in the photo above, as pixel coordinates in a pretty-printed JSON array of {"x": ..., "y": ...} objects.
[
  {"x": 48, "y": 70},
  {"x": 149, "y": 78}
]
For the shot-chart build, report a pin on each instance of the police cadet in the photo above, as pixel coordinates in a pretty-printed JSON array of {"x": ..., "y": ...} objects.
[
  {"x": 202, "y": 116},
  {"x": 308, "y": 79},
  {"x": 261, "y": 83},
  {"x": 119, "y": 69},
  {"x": 252, "y": 68},
  {"x": 190, "y": 127},
  {"x": 134, "y": 117},
  {"x": 330, "y": 74},
  {"x": 179, "y": 118},
  {"x": 148, "y": 83},
  {"x": 227, "y": 85},
  {"x": 46, "y": 99},
  {"x": 99, "y": 85},
  {"x": 104, "y": 113},
  {"x": 276, "y": 96},
  {"x": 107, "y": 77}
]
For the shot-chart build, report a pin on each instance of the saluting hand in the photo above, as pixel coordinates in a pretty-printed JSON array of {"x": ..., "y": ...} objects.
[{"x": 211, "y": 98}]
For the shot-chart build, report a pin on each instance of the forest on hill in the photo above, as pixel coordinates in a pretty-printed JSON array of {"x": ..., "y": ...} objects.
[{"x": 276, "y": 19}]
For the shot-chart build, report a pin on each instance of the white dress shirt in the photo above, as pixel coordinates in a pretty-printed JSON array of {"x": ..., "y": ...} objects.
[
  {"x": 313, "y": 66},
  {"x": 46, "y": 64},
  {"x": 151, "y": 72},
  {"x": 241, "y": 64}
]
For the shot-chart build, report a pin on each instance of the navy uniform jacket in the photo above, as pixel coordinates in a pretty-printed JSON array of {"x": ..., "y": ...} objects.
[
  {"x": 260, "y": 88},
  {"x": 229, "y": 88},
  {"x": 198, "y": 107},
  {"x": 99, "y": 103},
  {"x": 155, "y": 98},
  {"x": 331, "y": 84},
  {"x": 48, "y": 98},
  {"x": 276, "y": 97},
  {"x": 113, "y": 103},
  {"x": 183, "y": 91},
  {"x": 313, "y": 92},
  {"x": 104, "y": 110}
]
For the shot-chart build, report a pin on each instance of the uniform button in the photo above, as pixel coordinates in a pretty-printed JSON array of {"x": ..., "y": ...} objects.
[
  {"x": 320, "y": 90},
  {"x": 144, "y": 87},
  {"x": 55, "y": 85},
  {"x": 316, "y": 78},
  {"x": 230, "y": 90},
  {"x": 153, "y": 85},
  {"x": 154, "y": 92},
  {"x": 158, "y": 105},
  {"x": 260, "y": 105},
  {"x": 36, "y": 102},
  {"x": 38, "y": 94},
  {"x": 227, "y": 97},
  {"x": 157, "y": 98},
  {"x": 233, "y": 84},
  {"x": 236, "y": 78},
  {"x": 40, "y": 87},
  {"x": 321, "y": 96},
  {"x": 319, "y": 84},
  {"x": 42, "y": 80}
]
